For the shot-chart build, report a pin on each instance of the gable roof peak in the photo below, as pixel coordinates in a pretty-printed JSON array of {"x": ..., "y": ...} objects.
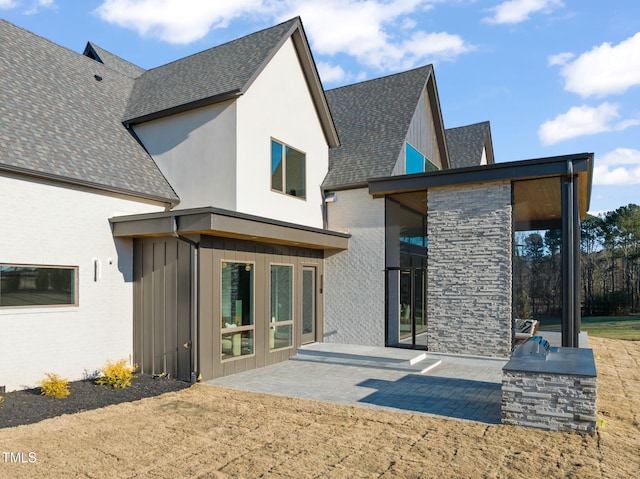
[
  {"x": 222, "y": 73},
  {"x": 426, "y": 69},
  {"x": 468, "y": 143},
  {"x": 111, "y": 61},
  {"x": 373, "y": 118}
]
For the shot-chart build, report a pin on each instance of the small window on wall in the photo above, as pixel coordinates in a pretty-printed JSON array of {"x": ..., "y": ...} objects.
[
  {"x": 281, "y": 324},
  {"x": 30, "y": 285},
  {"x": 416, "y": 162},
  {"x": 237, "y": 292},
  {"x": 288, "y": 170}
]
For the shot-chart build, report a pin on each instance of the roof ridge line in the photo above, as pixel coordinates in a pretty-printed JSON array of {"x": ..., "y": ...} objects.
[
  {"x": 428, "y": 65},
  {"x": 219, "y": 45}
]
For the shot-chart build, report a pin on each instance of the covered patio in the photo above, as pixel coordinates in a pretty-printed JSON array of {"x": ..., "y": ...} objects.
[{"x": 451, "y": 243}]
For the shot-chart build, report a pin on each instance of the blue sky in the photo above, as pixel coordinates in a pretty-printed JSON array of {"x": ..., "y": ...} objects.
[{"x": 553, "y": 77}]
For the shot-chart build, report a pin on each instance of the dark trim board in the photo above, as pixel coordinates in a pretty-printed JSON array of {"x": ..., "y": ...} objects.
[
  {"x": 230, "y": 224},
  {"x": 581, "y": 165}
]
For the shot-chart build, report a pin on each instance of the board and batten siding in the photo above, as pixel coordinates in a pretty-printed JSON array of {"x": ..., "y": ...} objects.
[
  {"x": 163, "y": 272},
  {"x": 421, "y": 135}
]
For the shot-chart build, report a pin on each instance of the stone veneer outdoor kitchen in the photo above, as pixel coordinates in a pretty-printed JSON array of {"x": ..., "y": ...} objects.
[{"x": 555, "y": 390}]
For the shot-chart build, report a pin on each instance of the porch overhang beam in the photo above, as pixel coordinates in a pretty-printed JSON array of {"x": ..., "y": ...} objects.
[
  {"x": 229, "y": 224},
  {"x": 510, "y": 171}
]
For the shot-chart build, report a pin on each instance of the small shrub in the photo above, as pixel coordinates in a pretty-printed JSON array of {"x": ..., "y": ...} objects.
[
  {"x": 54, "y": 386},
  {"x": 117, "y": 375}
]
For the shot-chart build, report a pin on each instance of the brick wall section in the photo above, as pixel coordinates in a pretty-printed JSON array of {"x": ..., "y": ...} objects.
[
  {"x": 59, "y": 226},
  {"x": 552, "y": 402},
  {"x": 354, "y": 279},
  {"x": 470, "y": 269}
]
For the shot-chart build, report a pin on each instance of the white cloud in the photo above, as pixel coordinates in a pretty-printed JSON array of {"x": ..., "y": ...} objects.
[
  {"x": 173, "y": 21},
  {"x": 618, "y": 167},
  {"x": 331, "y": 73},
  {"x": 381, "y": 34},
  {"x": 583, "y": 120},
  {"x": 560, "y": 58},
  {"x": 38, "y": 5},
  {"x": 605, "y": 69},
  {"x": 384, "y": 38},
  {"x": 517, "y": 11},
  {"x": 6, "y": 4}
]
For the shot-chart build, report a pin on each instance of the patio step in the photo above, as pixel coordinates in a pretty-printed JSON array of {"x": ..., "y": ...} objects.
[{"x": 412, "y": 361}]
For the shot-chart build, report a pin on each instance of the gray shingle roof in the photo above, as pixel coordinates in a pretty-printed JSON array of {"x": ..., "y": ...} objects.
[
  {"x": 220, "y": 72},
  {"x": 465, "y": 144},
  {"x": 58, "y": 121},
  {"x": 112, "y": 61},
  {"x": 372, "y": 119}
]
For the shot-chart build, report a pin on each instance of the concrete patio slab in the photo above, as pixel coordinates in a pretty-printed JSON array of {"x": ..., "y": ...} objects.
[{"x": 460, "y": 387}]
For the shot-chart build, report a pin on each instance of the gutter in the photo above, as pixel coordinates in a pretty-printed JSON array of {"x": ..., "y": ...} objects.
[{"x": 193, "y": 343}]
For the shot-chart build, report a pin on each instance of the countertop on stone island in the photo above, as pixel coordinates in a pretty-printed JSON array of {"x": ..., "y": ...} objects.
[{"x": 568, "y": 361}]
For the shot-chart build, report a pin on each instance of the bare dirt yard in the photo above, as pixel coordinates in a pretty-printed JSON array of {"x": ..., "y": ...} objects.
[{"x": 206, "y": 431}]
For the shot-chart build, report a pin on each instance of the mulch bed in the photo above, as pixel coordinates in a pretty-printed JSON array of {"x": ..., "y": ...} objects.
[{"x": 29, "y": 406}]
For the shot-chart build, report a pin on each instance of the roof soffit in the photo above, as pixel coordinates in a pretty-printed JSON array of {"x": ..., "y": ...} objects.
[{"x": 526, "y": 171}]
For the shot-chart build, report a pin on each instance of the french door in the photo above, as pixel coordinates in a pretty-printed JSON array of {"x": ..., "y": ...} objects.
[{"x": 309, "y": 307}]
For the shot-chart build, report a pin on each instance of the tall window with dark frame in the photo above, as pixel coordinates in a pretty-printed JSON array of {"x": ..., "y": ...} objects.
[{"x": 288, "y": 170}]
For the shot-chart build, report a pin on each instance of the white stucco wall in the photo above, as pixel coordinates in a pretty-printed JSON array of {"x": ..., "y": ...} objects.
[
  {"x": 278, "y": 105},
  {"x": 54, "y": 225},
  {"x": 196, "y": 152},
  {"x": 354, "y": 279},
  {"x": 220, "y": 155}
]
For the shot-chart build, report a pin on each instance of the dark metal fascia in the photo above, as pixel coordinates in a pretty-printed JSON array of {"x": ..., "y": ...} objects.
[
  {"x": 212, "y": 100},
  {"x": 347, "y": 186},
  {"x": 41, "y": 175},
  {"x": 537, "y": 168},
  {"x": 228, "y": 213}
]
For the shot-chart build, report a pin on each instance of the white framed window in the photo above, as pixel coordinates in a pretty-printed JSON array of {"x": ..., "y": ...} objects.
[
  {"x": 288, "y": 170},
  {"x": 23, "y": 285}
]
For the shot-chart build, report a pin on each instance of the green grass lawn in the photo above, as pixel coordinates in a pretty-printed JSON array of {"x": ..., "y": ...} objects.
[{"x": 612, "y": 327}]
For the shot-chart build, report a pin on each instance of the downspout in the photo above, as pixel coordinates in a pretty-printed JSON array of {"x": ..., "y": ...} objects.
[
  {"x": 194, "y": 298},
  {"x": 325, "y": 210}
]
